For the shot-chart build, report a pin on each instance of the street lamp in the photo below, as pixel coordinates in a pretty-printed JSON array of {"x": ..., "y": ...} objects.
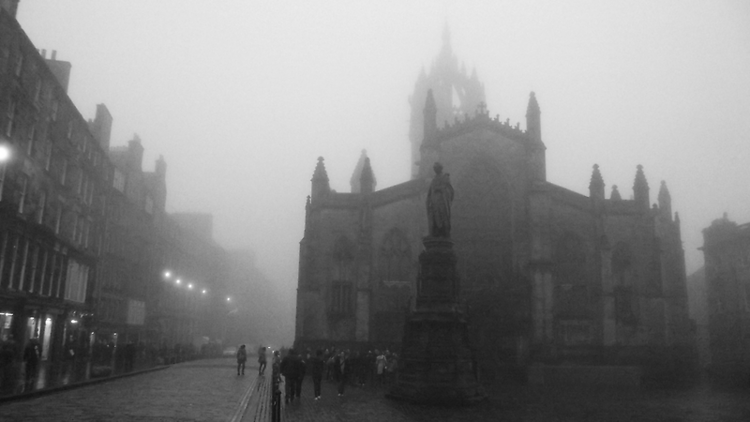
[
  {"x": 4, "y": 152},
  {"x": 167, "y": 274}
]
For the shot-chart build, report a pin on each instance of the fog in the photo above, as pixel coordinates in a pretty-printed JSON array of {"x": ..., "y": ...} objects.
[{"x": 241, "y": 97}]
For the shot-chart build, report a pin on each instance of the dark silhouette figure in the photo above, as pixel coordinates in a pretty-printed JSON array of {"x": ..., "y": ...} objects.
[
  {"x": 292, "y": 369},
  {"x": 261, "y": 360},
  {"x": 345, "y": 371},
  {"x": 241, "y": 358},
  {"x": 315, "y": 365},
  {"x": 31, "y": 355},
  {"x": 439, "y": 200}
]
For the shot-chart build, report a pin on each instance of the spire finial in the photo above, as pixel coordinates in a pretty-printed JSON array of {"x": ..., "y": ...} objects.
[
  {"x": 615, "y": 196},
  {"x": 596, "y": 186},
  {"x": 640, "y": 188}
]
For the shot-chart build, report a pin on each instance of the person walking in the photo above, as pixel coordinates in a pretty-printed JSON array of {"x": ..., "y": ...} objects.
[
  {"x": 380, "y": 363},
  {"x": 241, "y": 358},
  {"x": 345, "y": 371},
  {"x": 315, "y": 365},
  {"x": 291, "y": 369},
  {"x": 31, "y": 357},
  {"x": 261, "y": 360}
]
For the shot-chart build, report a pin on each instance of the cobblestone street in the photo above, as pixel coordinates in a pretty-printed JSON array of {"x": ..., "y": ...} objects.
[
  {"x": 202, "y": 390},
  {"x": 529, "y": 404},
  {"x": 210, "y": 390}
]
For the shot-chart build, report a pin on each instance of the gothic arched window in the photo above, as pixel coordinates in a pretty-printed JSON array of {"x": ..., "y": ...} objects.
[
  {"x": 622, "y": 263},
  {"x": 395, "y": 257},
  {"x": 342, "y": 277},
  {"x": 571, "y": 276}
]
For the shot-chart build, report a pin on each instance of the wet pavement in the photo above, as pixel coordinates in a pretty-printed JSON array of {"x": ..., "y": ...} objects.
[
  {"x": 201, "y": 390},
  {"x": 525, "y": 403},
  {"x": 210, "y": 390}
]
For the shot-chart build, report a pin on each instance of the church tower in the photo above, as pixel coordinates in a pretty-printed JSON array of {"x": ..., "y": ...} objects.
[{"x": 455, "y": 92}]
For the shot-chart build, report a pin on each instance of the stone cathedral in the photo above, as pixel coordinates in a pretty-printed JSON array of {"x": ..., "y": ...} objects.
[{"x": 547, "y": 276}]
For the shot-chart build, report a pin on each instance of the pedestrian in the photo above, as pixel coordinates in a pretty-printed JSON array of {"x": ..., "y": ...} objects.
[
  {"x": 380, "y": 363},
  {"x": 31, "y": 357},
  {"x": 392, "y": 367},
  {"x": 241, "y": 358},
  {"x": 292, "y": 370},
  {"x": 315, "y": 365},
  {"x": 345, "y": 371},
  {"x": 261, "y": 360}
]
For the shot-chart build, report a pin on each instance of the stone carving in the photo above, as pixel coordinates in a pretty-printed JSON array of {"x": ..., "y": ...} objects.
[{"x": 439, "y": 200}]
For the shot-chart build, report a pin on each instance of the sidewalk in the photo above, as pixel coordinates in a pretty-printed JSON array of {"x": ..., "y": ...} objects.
[
  {"x": 527, "y": 403},
  {"x": 54, "y": 375},
  {"x": 195, "y": 391}
]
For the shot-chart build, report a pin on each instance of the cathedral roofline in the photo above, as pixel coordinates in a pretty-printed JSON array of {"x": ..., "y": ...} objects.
[{"x": 481, "y": 120}]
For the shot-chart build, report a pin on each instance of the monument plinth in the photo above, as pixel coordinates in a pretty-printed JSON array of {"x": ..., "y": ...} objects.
[{"x": 436, "y": 364}]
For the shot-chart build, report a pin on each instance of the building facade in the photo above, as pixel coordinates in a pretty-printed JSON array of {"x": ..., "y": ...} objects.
[
  {"x": 546, "y": 274},
  {"x": 726, "y": 248},
  {"x": 50, "y": 185},
  {"x": 88, "y": 254}
]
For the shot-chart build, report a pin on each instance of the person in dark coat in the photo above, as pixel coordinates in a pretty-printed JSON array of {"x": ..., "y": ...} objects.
[
  {"x": 261, "y": 360},
  {"x": 292, "y": 369},
  {"x": 315, "y": 365},
  {"x": 31, "y": 356},
  {"x": 241, "y": 358},
  {"x": 345, "y": 371}
]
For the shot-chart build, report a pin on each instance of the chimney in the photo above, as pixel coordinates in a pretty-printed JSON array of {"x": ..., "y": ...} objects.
[
  {"x": 101, "y": 127},
  {"x": 60, "y": 69}
]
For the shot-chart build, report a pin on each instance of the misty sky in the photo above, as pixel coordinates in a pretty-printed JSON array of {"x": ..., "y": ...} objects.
[{"x": 241, "y": 97}]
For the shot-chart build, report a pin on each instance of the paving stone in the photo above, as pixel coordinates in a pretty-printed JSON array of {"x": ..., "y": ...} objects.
[{"x": 205, "y": 390}]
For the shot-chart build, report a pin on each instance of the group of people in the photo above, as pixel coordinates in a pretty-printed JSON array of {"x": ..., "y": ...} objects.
[{"x": 340, "y": 366}]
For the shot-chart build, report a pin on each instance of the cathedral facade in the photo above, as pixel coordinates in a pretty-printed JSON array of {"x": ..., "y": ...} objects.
[{"x": 546, "y": 274}]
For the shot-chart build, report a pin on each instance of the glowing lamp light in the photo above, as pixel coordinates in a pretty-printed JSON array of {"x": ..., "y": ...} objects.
[
  {"x": 204, "y": 291},
  {"x": 74, "y": 321},
  {"x": 167, "y": 274},
  {"x": 178, "y": 281},
  {"x": 4, "y": 153},
  {"x": 190, "y": 286},
  {"x": 229, "y": 299}
]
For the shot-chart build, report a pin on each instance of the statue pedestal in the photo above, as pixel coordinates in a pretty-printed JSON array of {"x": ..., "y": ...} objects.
[{"x": 436, "y": 364}]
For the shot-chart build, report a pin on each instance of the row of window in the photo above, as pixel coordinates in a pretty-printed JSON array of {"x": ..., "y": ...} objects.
[{"x": 32, "y": 267}]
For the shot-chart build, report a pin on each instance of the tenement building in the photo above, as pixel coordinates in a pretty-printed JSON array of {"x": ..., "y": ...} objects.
[
  {"x": 726, "y": 247},
  {"x": 88, "y": 255},
  {"x": 547, "y": 275},
  {"x": 51, "y": 176}
]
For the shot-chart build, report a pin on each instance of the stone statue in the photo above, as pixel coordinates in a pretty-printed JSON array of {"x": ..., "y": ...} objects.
[{"x": 439, "y": 199}]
